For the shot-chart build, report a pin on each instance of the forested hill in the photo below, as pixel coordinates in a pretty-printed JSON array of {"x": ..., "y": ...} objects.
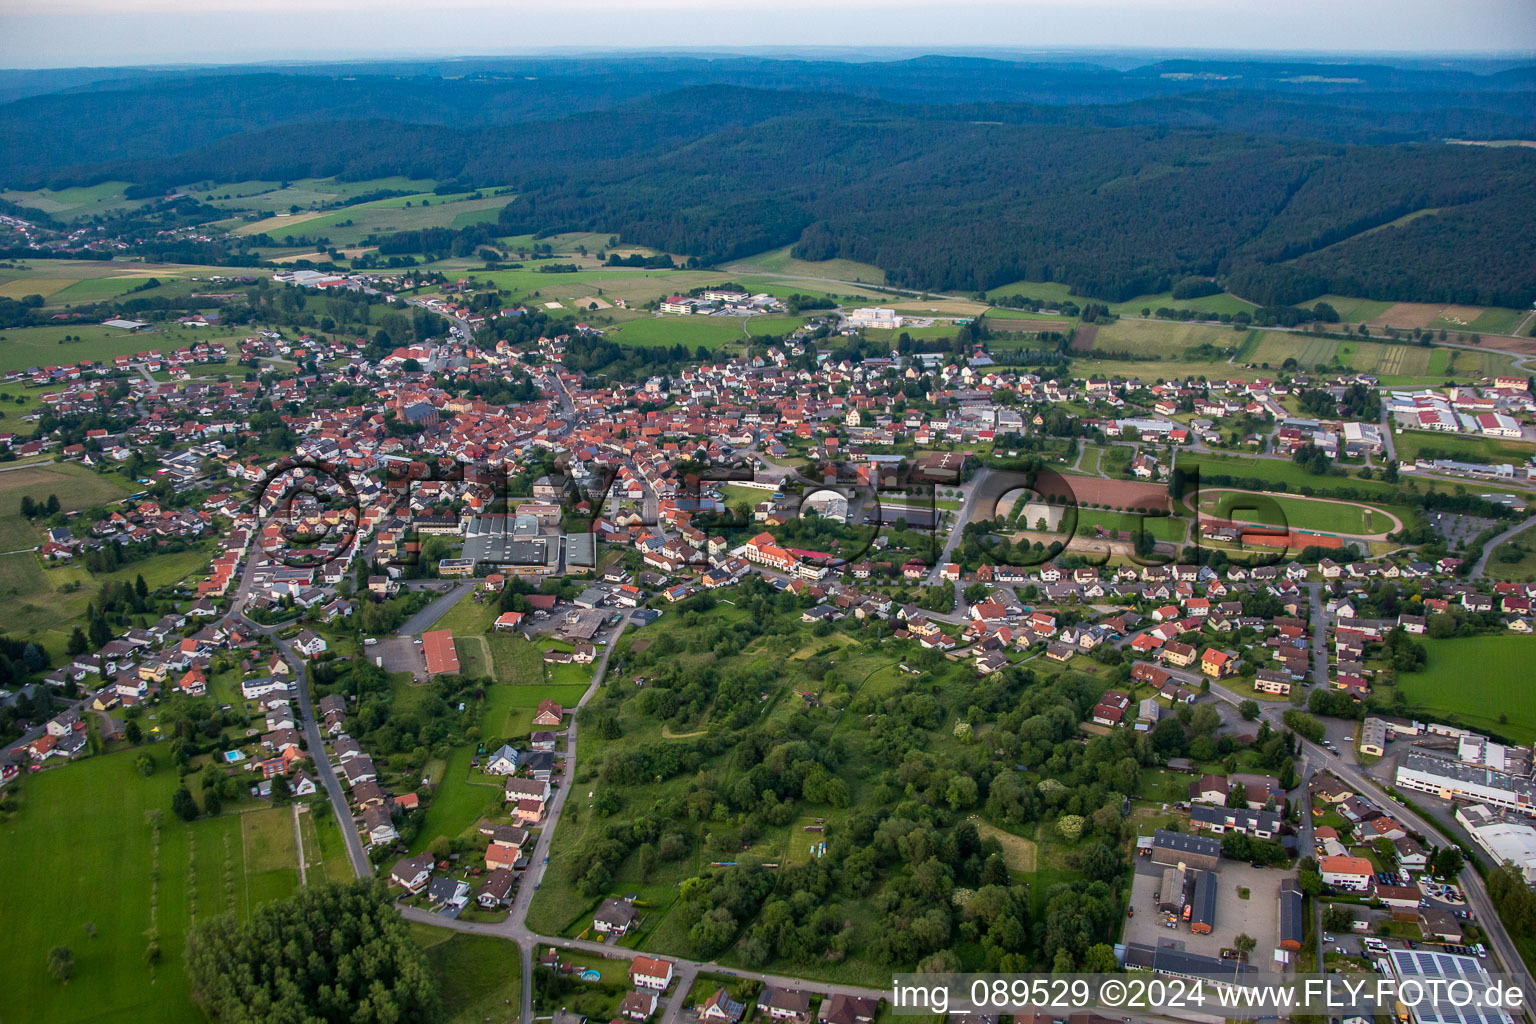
[
  {"x": 68, "y": 119},
  {"x": 942, "y": 200},
  {"x": 1284, "y": 180}
]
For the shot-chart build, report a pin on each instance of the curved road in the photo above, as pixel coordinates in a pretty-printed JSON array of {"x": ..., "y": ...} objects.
[
  {"x": 1481, "y": 564},
  {"x": 1471, "y": 882}
]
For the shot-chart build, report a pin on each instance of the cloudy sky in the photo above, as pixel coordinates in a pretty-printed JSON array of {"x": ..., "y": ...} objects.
[{"x": 63, "y": 33}]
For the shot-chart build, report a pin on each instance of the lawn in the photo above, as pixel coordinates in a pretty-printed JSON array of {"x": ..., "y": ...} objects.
[
  {"x": 1166, "y": 528},
  {"x": 464, "y": 796},
  {"x": 88, "y": 820},
  {"x": 509, "y": 709},
  {"x": 1521, "y": 570},
  {"x": 480, "y": 977},
  {"x": 1495, "y": 697}
]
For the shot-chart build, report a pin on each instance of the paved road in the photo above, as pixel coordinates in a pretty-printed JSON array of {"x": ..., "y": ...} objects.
[
  {"x": 1319, "y": 635},
  {"x": 1479, "y": 566},
  {"x": 973, "y": 489},
  {"x": 423, "y": 620},
  {"x": 1386, "y": 433},
  {"x": 312, "y": 738},
  {"x": 1316, "y": 757}
]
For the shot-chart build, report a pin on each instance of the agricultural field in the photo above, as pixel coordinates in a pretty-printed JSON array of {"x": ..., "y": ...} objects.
[
  {"x": 351, "y": 224},
  {"x": 78, "y": 203},
  {"x": 1053, "y": 291},
  {"x": 1493, "y": 698},
  {"x": 1435, "y": 316},
  {"x": 229, "y": 863},
  {"x": 1167, "y": 339},
  {"x": 1393, "y": 363},
  {"x": 307, "y": 193},
  {"x": 634, "y": 286},
  {"x": 1161, "y": 369},
  {"x": 65, "y": 282},
  {"x": 76, "y": 486},
  {"x": 23, "y": 348},
  {"x": 780, "y": 263},
  {"x": 1351, "y": 310}
]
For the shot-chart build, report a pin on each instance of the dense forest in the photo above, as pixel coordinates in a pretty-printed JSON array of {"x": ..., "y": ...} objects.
[{"x": 1118, "y": 188}]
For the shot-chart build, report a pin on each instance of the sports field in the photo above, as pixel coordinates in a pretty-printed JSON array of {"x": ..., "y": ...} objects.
[
  {"x": 689, "y": 331},
  {"x": 1496, "y": 696},
  {"x": 1298, "y": 513},
  {"x": 83, "y": 845}
]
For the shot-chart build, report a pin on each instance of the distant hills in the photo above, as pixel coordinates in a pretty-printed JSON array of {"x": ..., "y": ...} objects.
[{"x": 949, "y": 172}]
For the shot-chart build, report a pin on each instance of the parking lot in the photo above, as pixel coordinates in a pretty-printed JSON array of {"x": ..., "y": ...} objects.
[
  {"x": 1257, "y": 915},
  {"x": 399, "y": 654}
]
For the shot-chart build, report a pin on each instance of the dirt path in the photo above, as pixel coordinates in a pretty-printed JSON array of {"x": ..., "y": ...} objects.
[{"x": 298, "y": 845}]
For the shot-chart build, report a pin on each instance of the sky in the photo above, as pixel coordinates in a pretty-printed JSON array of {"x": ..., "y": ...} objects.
[{"x": 76, "y": 33}]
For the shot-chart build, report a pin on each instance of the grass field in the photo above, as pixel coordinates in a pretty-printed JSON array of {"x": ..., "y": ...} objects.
[
  {"x": 76, "y": 203},
  {"x": 1169, "y": 339},
  {"x": 464, "y": 797},
  {"x": 712, "y": 332},
  {"x": 306, "y": 193},
  {"x": 350, "y": 225},
  {"x": 76, "y": 487},
  {"x": 1351, "y": 310},
  {"x": 480, "y": 977},
  {"x": 1411, "y": 443},
  {"x": 780, "y": 262},
  {"x": 1278, "y": 471},
  {"x": 88, "y": 821},
  {"x": 1053, "y": 291},
  {"x": 608, "y": 283},
  {"x": 1302, "y": 514},
  {"x": 1018, "y": 852},
  {"x": 23, "y": 348},
  {"x": 1494, "y": 697},
  {"x": 1521, "y": 571}
]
